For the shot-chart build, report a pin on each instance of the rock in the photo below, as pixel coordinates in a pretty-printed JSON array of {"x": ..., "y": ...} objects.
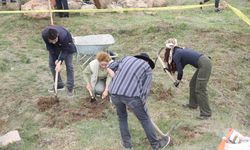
[
  {"x": 74, "y": 4},
  {"x": 159, "y": 3},
  {"x": 134, "y": 3},
  {"x": 114, "y": 5},
  {"x": 223, "y": 5},
  {"x": 10, "y": 137},
  {"x": 102, "y": 3},
  {"x": 142, "y": 3},
  {"x": 37, "y": 5},
  {"x": 88, "y": 6}
]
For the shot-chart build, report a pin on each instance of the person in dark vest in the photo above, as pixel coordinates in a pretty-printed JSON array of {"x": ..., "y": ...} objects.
[
  {"x": 60, "y": 45},
  {"x": 62, "y": 5},
  {"x": 129, "y": 88},
  {"x": 176, "y": 59}
]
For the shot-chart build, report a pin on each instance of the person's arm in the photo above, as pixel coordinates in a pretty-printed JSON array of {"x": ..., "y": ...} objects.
[
  {"x": 108, "y": 80},
  {"x": 87, "y": 74},
  {"x": 177, "y": 60},
  {"x": 111, "y": 73},
  {"x": 65, "y": 48},
  {"x": 105, "y": 92},
  {"x": 114, "y": 65},
  {"x": 180, "y": 71},
  {"x": 146, "y": 84}
]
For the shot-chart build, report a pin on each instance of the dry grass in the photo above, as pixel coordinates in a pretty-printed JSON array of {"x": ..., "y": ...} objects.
[{"x": 25, "y": 78}]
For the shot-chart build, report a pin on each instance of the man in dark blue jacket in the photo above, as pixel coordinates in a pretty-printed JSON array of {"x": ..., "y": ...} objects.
[{"x": 60, "y": 45}]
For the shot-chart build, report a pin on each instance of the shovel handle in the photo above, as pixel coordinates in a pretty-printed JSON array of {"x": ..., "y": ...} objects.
[
  {"x": 158, "y": 130},
  {"x": 56, "y": 82},
  {"x": 90, "y": 93},
  {"x": 164, "y": 66}
]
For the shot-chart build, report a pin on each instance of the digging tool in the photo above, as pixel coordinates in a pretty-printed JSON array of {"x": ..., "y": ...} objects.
[
  {"x": 92, "y": 97},
  {"x": 173, "y": 127},
  {"x": 158, "y": 129},
  {"x": 163, "y": 64},
  {"x": 56, "y": 83},
  {"x": 50, "y": 12}
]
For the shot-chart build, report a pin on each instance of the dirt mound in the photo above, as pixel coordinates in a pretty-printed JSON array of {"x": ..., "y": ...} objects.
[
  {"x": 45, "y": 103},
  {"x": 189, "y": 132},
  {"x": 61, "y": 114}
]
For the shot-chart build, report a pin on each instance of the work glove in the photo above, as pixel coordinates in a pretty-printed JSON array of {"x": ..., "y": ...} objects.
[{"x": 176, "y": 83}]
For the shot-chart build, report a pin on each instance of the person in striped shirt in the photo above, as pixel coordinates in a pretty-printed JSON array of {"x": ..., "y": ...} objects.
[{"x": 130, "y": 87}]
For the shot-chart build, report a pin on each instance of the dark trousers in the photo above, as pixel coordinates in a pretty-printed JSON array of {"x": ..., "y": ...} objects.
[
  {"x": 140, "y": 111},
  {"x": 69, "y": 69},
  {"x": 216, "y": 3},
  {"x": 62, "y": 4},
  {"x": 198, "y": 86}
]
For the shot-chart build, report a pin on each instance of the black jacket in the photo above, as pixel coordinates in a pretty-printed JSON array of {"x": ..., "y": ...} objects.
[
  {"x": 63, "y": 46},
  {"x": 182, "y": 57}
]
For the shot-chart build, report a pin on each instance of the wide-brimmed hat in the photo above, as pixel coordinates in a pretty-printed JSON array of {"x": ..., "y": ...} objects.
[
  {"x": 171, "y": 43},
  {"x": 145, "y": 57}
]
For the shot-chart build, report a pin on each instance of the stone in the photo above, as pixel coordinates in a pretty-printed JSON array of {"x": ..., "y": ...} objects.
[
  {"x": 10, "y": 137},
  {"x": 37, "y": 5}
]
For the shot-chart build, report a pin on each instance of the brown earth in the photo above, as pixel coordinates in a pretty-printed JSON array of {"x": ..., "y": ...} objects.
[
  {"x": 45, "y": 103},
  {"x": 60, "y": 115}
]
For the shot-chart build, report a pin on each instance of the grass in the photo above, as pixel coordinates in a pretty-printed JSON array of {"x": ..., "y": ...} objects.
[{"x": 25, "y": 77}]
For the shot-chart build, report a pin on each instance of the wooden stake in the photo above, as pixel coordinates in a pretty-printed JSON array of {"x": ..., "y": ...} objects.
[{"x": 51, "y": 14}]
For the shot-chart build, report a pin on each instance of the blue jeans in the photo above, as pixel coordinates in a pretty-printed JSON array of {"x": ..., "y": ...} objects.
[
  {"x": 140, "y": 111},
  {"x": 69, "y": 70}
]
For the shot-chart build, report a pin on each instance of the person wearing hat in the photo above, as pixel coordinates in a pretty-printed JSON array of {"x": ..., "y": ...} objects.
[
  {"x": 130, "y": 87},
  {"x": 176, "y": 59}
]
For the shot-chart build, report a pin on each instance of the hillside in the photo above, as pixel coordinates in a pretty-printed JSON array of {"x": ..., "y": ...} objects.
[{"x": 73, "y": 125}]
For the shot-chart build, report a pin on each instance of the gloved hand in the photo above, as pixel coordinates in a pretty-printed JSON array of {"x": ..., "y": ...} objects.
[{"x": 176, "y": 83}]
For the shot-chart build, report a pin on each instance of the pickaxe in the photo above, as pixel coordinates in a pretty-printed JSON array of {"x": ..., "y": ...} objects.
[{"x": 163, "y": 64}]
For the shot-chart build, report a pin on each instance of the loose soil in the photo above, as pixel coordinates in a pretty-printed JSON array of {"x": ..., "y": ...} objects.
[{"x": 59, "y": 114}]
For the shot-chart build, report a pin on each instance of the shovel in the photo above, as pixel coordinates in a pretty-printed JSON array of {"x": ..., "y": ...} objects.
[
  {"x": 163, "y": 64},
  {"x": 56, "y": 83},
  {"x": 92, "y": 97}
]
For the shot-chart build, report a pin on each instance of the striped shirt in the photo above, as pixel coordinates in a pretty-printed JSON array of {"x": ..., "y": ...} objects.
[{"x": 132, "y": 77}]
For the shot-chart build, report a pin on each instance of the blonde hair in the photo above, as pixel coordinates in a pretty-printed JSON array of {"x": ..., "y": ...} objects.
[{"x": 103, "y": 56}]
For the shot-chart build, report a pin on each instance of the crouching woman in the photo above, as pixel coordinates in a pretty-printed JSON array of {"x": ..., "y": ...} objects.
[{"x": 97, "y": 77}]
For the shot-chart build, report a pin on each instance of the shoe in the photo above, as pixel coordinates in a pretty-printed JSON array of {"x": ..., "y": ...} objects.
[
  {"x": 163, "y": 143},
  {"x": 188, "y": 106},
  {"x": 217, "y": 10},
  {"x": 70, "y": 92},
  {"x": 203, "y": 117},
  {"x": 59, "y": 88},
  {"x": 125, "y": 148}
]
